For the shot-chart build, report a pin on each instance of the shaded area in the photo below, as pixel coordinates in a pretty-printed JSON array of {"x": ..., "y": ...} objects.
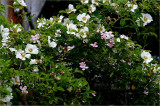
[{"x": 52, "y": 8}]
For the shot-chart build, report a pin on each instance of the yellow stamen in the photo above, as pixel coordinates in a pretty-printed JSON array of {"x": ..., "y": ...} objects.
[
  {"x": 145, "y": 58},
  {"x": 30, "y": 50},
  {"x": 100, "y": 29},
  {"x": 23, "y": 54},
  {"x": 16, "y": 80},
  {"x": 69, "y": 10},
  {"x": 70, "y": 29},
  {"x": 90, "y": 9},
  {"x": 96, "y": 1},
  {"x": 145, "y": 19},
  {"x": 84, "y": 18},
  {"x": 57, "y": 19}
]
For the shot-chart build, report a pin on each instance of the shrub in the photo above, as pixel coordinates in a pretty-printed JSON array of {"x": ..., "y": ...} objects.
[{"x": 63, "y": 58}]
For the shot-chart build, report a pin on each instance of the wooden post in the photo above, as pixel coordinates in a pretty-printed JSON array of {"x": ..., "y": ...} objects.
[{"x": 14, "y": 16}]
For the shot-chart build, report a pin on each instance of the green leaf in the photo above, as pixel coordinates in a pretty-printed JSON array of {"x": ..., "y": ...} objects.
[
  {"x": 79, "y": 71},
  {"x": 62, "y": 11},
  {"x": 78, "y": 6},
  {"x": 122, "y": 22},
  {"x": 50, "y": 101},
  {"x": 111, "y": 74},
  {"x": 60, "y": 89}
]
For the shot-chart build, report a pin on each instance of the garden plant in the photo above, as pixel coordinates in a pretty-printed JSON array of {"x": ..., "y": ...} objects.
[{"x": 86, "y": 55}]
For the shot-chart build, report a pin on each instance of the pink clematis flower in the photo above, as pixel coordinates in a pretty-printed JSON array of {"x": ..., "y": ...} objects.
[
  {"x": 83, "y": 66},
  {"x": 111, "y": 43},
  {"x": 107, "y": 35},
  {"x": 36, "y": 39},
  {"x": 94, "y": 44},
  {"x": 145, "y": 92},
  {"x": 70, "y": 47},
  {"x": 24, "y": 89},
  {"x": 93, "y": 94}
]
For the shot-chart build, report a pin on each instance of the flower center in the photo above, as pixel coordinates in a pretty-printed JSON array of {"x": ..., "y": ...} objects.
[
  {"x": 100, "y": 29},
  {"x": 96, "y": 1},
  {"x": 138, "y": 22},
  {"x": 23, "y": 89},
  {"x": 57, "y": 19},
  {"x": 16, "y": 80},
  {"x": 84, "y": 18},
  {"x": 37, "y": 60},
  {"x": 145, "y": 58},
  {"x": 57, "y": 33},
  {"x": 90, "y": 9},
  {"x": 69, "y": 10},
  {"x": 70, "y": 29},
  {"x": 67, "y": 23},
  {"x": 23, "y": 54},
  {"x": 131, "y": 6},
  {"x": 30, "y": 50},
  {"x": 83, "y": 66},
  {"x": 145, "y": 19}
]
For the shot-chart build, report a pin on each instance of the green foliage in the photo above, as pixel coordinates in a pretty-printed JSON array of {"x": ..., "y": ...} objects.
[
  {"x": 68, "y": 63},
  {"x": 52, "y": 87},
  {"x": 2, "y": 9}
]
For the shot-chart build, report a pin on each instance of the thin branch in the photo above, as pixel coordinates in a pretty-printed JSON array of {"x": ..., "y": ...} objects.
[
  {"x": 20, "y": 65},
  {"x": 30, "y": 21}
]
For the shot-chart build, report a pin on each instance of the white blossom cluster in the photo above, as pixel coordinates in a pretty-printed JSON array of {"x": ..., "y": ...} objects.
[
  {"x": 20, "y": 2},
  {"x": 5, "y": 36},
  {"x": 8, "y": 97},
  {"x": 79, "y": 30}
]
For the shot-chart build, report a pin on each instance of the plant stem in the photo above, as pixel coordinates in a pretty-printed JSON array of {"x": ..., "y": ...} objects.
[{"x": 29, "y": 21}]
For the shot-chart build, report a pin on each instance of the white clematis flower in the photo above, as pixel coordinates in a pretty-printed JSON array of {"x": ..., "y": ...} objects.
[
  {"x": 146, "y": 56},
  {"x": 35, "y": 69},
  {"x": 4, "y": 32},
  {"x": 22, "y": 55},
  {"x": 16, "y": 80},
  {"x": 7, "y": 98},
  {"x": 115, "y": 5},
  {"x": 67, "y": 21},
  {"x": 71, "y": 8},
  {"x": 84, "y": 1},
  {"x": 91, "y": 8},
  {"x": 95, "y": 2},
  {"x": 17, "y": 28},
  {"x": 106, "y": 1},
  {"x": 138, "y": 22},
  {"x": 52, "y": 44},
  {"x": 71, "y": 28},
  {"x": 41, "y": 23},
  {"x": 22, "y": 3},
  {"x": 59, "y": 19},
  {"x": 32, "y": 49},
  {"x": 33, "y": 61},
  {"x": 12, "y": 49},
  {"x": 132, "y": 6},
  {"x": 101, "y": 28},
  {"x": 118, "y": 39},
  {"x": 83, "y": 17},
  {"x": 146, "y": 18},
  {"x": 83, "y": 32}
]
